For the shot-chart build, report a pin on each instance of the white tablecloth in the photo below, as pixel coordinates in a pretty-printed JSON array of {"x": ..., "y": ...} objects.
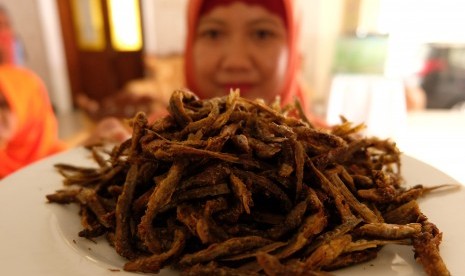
[{"x": 436, "y": 137}]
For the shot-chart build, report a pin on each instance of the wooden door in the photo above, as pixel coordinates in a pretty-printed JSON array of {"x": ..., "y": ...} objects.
[{"x": 99, "y": 68}]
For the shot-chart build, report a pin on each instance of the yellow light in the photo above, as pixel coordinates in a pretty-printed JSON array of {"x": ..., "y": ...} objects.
[
  {"x": 125, "y": 29},
  {"x": 89, "y": 24}
]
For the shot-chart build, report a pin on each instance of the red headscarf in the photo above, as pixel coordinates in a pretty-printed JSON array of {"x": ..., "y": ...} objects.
[
  {"x": 274, "y": 6},
  {"x": 284, "y": 8},
  {"x": 36, "y": 134}
]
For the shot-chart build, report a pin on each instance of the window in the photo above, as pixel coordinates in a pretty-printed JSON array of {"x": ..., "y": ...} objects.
[
  {"x": 89, "y": 24},
  {"x": 125, "y": 25}
]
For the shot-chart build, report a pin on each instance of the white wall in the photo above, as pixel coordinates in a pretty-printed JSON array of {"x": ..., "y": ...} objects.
[
  {"x": 321, "y": 21},
  {"x": 35, "y": 23},
  {"x": 412, "y": 23},
  {"x": 164, "y": 26},
  {"x": 26, "y": 23},
  {"x": 55, "y": 53}
]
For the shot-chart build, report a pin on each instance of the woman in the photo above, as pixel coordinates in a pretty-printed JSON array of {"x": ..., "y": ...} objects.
[
  {"x": 28, "y": 127},
  {"x": 247, "y": 44}
]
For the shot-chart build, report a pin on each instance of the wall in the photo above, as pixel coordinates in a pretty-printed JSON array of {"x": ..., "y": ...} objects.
[
  {"x": 321, "y": 20},
  {"x": 36, "y": 24},
  {"x": 165, "y": 26},
  {"x": 413, "y": 23},
  {"x": 26, "y": 23}
]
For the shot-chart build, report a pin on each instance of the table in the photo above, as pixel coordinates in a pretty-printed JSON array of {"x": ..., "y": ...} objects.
[{"x": 436, "y": 137}]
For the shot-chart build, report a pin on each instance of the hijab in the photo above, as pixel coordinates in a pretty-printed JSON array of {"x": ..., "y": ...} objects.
[
  {"x": 285, "y": 9},
  {"x": 36, "y": 134}
]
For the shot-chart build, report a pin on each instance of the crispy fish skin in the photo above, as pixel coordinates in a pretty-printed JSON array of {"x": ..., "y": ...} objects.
[
  {"x": 272, "y": 266},
  {"x": 90, "y": 198},
  {"x": 241, "y": 192},
  {"x": 176, "y": 106},
  {"x": 405, "y": 213},
  {"x": 123, "y": 208},
  {"x": 64, "y": 196},
  {"x": 327, "y": 253},
  {"x": 352, "y": 258},
  {"x": 389, "y": 231},
  {"x": 155, "y": 262},
  {"x": 229, "y": 247},
  {"x": 426, "y": 248},
  {"x": 160, "y": 198},
  {"x": 311, "y": 226},
  {"x": 212, "y": 269}
]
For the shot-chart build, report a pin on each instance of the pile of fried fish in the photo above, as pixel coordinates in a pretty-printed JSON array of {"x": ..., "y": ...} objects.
[{"x": 232, "y": 186}]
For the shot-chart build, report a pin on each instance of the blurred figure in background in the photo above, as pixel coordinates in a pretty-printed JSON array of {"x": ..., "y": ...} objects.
[
  {"x": 443, "y": 76},
  {"x": 28, "y": 127}
]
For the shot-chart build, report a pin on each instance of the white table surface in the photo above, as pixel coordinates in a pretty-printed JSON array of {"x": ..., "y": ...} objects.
[{"x": 436, "y": 137}]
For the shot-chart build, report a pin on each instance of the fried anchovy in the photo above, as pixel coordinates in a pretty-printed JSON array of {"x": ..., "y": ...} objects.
[{"x": 233, "y": 186}]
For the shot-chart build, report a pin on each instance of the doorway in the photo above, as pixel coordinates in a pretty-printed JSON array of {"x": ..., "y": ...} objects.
[{"x": 102, "y": 55}]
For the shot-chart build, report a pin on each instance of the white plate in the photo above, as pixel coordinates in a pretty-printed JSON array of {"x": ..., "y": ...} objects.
[{"x": 38, "y": 238}]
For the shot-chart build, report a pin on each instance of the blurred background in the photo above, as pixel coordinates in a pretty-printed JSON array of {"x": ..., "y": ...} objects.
[{"x": 89, "y": 50}]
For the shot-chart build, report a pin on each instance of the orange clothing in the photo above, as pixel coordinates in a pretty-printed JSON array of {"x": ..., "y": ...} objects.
[
  {"x": 292, "y": 87},
  {"x": 36, "y": 134}
]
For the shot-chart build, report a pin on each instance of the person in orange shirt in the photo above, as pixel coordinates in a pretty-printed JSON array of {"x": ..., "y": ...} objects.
[{"x": 28, "y": 126}]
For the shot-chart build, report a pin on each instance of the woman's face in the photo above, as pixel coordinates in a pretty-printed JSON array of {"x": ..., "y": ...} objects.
[{"x": 240, "y": 46}]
